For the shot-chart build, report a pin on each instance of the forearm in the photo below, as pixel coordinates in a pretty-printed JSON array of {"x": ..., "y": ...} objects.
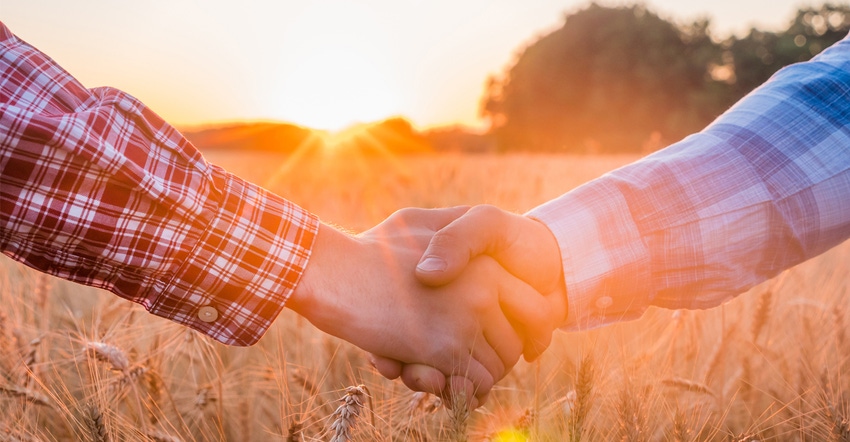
[
  {"x": 760, "y": 190},
  {"x": 97, "y": 189}
]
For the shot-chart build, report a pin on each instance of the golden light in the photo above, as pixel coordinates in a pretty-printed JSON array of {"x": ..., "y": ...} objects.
[
  {"x": 341, "y": 73},
  {"x": 336, "y": 88},
  {"x": 349, "y": 136},
  {"x": 511, "y": 436}
]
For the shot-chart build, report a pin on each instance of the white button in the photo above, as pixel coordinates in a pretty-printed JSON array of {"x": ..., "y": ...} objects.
[
  {"x": 604, "y": 302},
  {"x": 207, "y": 313}
]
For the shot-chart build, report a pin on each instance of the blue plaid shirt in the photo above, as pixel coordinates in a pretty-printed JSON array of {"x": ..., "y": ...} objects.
[{"x": 763, "y": 188}]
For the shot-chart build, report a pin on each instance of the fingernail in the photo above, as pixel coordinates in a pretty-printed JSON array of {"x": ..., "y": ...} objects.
[{"x": 432, "y": 264}]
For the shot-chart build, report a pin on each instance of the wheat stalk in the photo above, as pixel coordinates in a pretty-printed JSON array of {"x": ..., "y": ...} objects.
[
  {"x": 681, "y": 432},
  {"x": 203, "y": 397},
  {"x": 632, "y": 416},
  {"x": 413, "y": 434},
  {"x": 311, "y": 388},
  {"x": 417, "y": 402},
  {"x": 525, "y": 421},
  {"x": 459, "y": 417},
  {"x": 689, "y": 385},
  {"x": 345, "y": 416},
  {"x": 718, "y": 357},
  {"x": 33, "y": 397},
  {"x": 301, "y": 379},
  {"x": 840, "y": 326},
  {"x": 107, "y": 353},
  {"x": 838, "y": 423},
  {"x": 294, "y": 433},
  {"x": 420, "y": 404},
  {"x": 7, "y": 342},
  {"x": 762, "y": 314},
  {"x": 30, "y": 360},
  {"x": 580, "y": 400},
  {"x": 95, "y": 424},
  {"x": 158, "y": 436},
  {"x": 9, "y": 435}
]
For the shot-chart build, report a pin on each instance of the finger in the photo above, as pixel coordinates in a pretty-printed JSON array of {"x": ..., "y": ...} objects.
[
  {"x": 434, "y": 219},
  {"x": 506, "y": 329},
  {"x": 420, "y": 377},
  {"x": 388, "y": 368},
  {"x": 535, "y": 346},
  {"x": 478, "y": 231},
  {"x": 474, "y": 377},
  {"x": 529, "y": 313},
  {"x": 481, "y": 399}
]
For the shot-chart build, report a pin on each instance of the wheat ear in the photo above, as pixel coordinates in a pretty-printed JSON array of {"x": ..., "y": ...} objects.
[
  {"x": 345, "y": 416},
  {"x": 580, "y": 398},
  {"x": 95, "y": 424},
  {"x": 762, "y": 314},
  {"x": 110, "y": 354},
  {"x": 28, "y": 395}
]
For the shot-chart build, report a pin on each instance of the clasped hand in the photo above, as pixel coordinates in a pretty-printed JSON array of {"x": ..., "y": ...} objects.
[{"x": 446, "y": 299}]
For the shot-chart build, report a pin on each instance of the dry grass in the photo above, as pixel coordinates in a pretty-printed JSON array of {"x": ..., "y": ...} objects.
[{"x": 79, "y": 364}]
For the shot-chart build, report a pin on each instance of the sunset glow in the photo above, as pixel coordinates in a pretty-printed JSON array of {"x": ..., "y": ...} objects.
[
  {"x": 336, "y": 87},
  {"x": 326, "y": 64},
  {"x": 336, "y": 75}
]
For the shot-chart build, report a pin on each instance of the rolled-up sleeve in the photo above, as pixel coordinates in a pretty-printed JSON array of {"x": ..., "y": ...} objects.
[
  {"x": 98, "y": 189},
  {"x": 763, "y": 188}
]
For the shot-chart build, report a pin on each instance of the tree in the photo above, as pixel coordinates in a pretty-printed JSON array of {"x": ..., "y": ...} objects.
[
  {"x": 607, "y": 80},
  {"x": 760, "y": 54},
  {"x": 612, "y": 78}
]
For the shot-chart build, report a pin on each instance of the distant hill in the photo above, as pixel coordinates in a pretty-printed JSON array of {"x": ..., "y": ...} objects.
[
  {"x": 393, "y": 135},
  {"x": 280, "y": 137}
]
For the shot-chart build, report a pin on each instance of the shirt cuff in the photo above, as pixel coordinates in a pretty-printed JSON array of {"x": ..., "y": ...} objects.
[
  {"x": 606, "y": 263},
  {"x": 233, "y": 283}
]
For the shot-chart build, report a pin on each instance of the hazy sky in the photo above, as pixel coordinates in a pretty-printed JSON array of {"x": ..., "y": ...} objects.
[{"x": 321, "y": 63}]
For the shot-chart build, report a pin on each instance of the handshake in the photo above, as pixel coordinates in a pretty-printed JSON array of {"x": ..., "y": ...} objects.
[{"x": 446, "y": 299}]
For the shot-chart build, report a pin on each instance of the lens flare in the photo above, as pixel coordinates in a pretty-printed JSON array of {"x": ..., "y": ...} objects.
[{"x": 511, "y": 435}]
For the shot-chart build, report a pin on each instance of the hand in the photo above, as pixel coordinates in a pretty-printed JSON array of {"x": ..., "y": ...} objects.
[
  {"x": 523, "y": 246},
  {"x": 363, "y": 289}
]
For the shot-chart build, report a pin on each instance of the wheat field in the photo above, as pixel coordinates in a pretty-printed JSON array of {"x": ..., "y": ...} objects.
[{"x": 81, "y": 364}]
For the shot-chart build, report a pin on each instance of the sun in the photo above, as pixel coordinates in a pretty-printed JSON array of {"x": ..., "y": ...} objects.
[
  {"x": 342, "y": 74},
  {"x": 336, "y": 88}
]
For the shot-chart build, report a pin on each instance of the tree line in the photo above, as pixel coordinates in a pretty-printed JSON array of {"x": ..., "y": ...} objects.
[{"x": 624, "y": 79}]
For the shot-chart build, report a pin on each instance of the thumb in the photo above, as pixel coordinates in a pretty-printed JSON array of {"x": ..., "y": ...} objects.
[{"x": 476, "y": 232}]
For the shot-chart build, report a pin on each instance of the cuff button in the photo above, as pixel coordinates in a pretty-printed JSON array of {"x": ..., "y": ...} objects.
[{"x": 207, "y": 313}]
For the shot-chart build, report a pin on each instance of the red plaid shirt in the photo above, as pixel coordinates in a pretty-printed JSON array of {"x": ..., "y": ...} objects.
[{"x": 98, "y": 189}]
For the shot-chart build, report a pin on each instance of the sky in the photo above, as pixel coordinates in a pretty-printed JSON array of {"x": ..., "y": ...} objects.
[{"x": 325, "y": 64}]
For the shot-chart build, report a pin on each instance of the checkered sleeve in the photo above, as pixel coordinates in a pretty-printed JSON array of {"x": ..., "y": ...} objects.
[
  {"x": 98, "y": 189},
  {"x": 762, "y": 188}
]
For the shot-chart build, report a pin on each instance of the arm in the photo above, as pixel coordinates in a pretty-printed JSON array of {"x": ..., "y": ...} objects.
[
  {"x": 761, "y": 189},
  {"x": 97, "y": 189}
]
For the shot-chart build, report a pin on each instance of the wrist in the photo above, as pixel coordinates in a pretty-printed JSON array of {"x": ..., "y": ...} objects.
[
  {"x": 317, "y": 296},
  {"x": 550, "y": 252}
]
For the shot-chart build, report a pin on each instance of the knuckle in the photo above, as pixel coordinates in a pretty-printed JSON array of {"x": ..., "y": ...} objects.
[
  {"x": 446, "y": 238},
  {"x": 405, "y": 213},
  {"x": 484, "y": 211}
]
